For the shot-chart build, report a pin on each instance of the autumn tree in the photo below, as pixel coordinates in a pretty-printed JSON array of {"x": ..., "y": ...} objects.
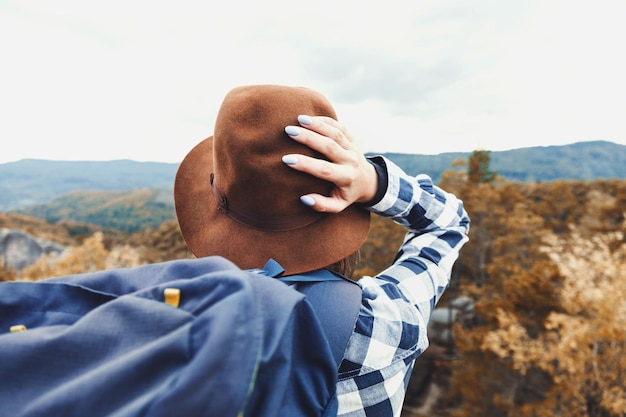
[
  {"x": 379, "y": 249},
  {"x": 549, "y": 308},
  {"x": 90, "y": 256},
  {"x": 454, "y": 180},
  {"x": 519, "y": 282},
  {"x": 478, "y": 171},
  {"x": 7, "y": 273}
]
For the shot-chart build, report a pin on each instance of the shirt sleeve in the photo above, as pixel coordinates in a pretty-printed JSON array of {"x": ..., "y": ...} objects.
[{"x": 397, "y": 303}]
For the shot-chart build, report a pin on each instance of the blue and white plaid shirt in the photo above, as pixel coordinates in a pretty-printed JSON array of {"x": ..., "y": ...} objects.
[{"x": 397, "y": 303}]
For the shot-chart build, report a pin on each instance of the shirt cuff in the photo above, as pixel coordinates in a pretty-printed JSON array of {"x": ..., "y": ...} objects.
[{"x": 378, "y": 162}]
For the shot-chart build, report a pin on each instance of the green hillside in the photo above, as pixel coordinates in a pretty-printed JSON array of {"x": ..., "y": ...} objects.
[{"x": 128, "y": 211}]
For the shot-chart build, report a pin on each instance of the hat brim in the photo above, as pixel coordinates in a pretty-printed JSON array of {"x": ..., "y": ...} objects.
[{"x": 208, "y": 231}]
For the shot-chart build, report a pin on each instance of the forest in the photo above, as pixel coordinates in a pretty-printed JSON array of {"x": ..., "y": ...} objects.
[{"x": 545, "y": 269}]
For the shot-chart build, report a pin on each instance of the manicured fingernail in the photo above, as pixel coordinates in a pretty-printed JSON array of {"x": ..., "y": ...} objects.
[
  {"x": 290, "y": 159},
  {"x": 305, "y": 120},
  {"x": 292, "y": 130},
  {"x": 307, "y": 200}
]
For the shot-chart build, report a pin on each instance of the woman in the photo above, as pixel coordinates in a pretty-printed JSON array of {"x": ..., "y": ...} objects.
[{"x": 282, "y": 179}]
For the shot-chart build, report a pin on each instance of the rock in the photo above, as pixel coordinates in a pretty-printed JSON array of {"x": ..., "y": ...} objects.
[{"x": 19, "y": 249}]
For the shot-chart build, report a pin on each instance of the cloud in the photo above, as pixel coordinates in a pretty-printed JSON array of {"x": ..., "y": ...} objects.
[
  {"x": 144, "y": 80},
  {"x": 420, "y": 62}
]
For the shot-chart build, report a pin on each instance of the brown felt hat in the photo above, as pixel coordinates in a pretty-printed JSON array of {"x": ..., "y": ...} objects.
[{"x": 235, "y": 197}]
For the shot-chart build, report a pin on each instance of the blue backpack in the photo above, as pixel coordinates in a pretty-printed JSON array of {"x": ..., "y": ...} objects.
[{"x": 186, "y": 338}]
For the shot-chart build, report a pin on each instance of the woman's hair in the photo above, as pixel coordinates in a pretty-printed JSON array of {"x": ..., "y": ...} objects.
[{"x": 347, "y": 265}]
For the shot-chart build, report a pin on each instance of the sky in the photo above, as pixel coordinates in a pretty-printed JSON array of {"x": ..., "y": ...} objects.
[{"x": 143, "y": 80}]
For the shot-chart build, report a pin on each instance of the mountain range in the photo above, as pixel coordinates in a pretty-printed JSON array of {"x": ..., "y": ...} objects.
[
  {"x": 30, "y": 182},
  {"x": 579, "y": 161},
  {"x": 100, "y": 190}
]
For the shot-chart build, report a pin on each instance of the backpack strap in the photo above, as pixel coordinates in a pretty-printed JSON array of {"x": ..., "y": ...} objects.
[{"x": 335, "y": 298}]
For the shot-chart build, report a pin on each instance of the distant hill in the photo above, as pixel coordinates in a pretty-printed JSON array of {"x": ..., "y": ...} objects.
[
  {"x": 130, "y": 196},
  {"x": 129, "y": 211},
  {"x": 580, "y": 161},
  {"x": 34, "y": 181}
]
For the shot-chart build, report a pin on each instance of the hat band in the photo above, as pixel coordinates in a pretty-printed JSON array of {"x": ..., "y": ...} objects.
[{"x": 271, "y": 224}]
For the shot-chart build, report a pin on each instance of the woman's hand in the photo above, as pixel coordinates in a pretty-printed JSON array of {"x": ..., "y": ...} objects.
[{"x": 354, "y": 177}]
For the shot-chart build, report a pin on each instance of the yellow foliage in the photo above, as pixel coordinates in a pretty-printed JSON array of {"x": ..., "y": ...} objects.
[
  {"x": 582, "y": 346},
  {"x": 550, "y": 331},
  {"x": 549, "y": 334},
  {"x": 91, "y": 256}
]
